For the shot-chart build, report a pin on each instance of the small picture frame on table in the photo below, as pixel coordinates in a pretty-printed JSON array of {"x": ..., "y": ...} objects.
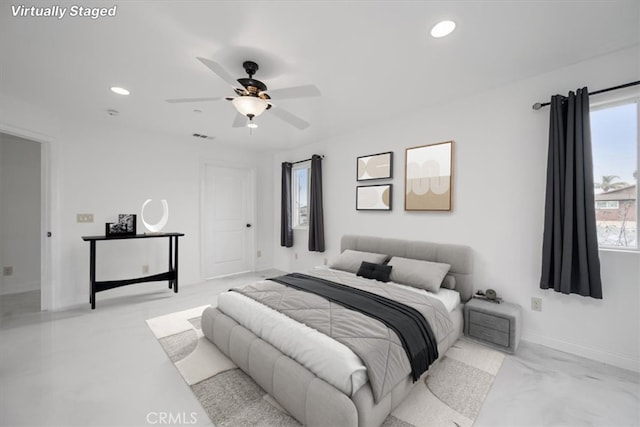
[{"x": 126, "y": 226}]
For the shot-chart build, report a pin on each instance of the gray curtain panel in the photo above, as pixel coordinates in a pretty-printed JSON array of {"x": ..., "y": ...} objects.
[
  {"x": 286, "y": 229},
  {"x": 570, "y": 262},
  {"x": 316, "y": 211}
]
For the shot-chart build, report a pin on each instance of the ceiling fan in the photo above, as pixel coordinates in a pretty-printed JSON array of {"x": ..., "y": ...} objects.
[{"x": 252, "y": 98}]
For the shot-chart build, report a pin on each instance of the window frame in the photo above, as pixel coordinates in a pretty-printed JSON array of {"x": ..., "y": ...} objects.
[
  {"x": 611, "y": 102},
  {"x": 295, "y": 194},
  {"x": 607, "y": 204}
]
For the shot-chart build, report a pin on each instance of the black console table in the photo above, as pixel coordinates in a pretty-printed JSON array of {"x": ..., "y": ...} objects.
[{"x": 171, "y": 275}]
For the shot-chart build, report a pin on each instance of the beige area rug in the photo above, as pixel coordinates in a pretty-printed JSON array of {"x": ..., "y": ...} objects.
[{"x": 451, "y": 395}]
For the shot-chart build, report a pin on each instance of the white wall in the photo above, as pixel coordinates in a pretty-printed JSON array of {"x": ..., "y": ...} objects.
[
  {"x": 19, "y": 214},
  {"x": 105, "y": 169},
  {"x": 499, "y": 185}
]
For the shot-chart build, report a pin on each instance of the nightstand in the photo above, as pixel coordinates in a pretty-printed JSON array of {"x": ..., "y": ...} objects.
[{"x": 497, "y": 325}]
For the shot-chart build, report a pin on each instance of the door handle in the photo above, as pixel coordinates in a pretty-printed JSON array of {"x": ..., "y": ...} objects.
[{"x": 248, "y": 225}]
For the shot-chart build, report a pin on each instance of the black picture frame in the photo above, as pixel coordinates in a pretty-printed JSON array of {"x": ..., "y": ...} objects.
[
  {"x": 130, "y": 221},
  {"x": 383, "y": 160},
  {"x": 377, "y": 197},
  {"x": 126, "y": 226}
]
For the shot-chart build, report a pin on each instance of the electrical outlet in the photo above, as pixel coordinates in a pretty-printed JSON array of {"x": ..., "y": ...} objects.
[
  {"x": 84, "y": 217},
  {"x": 145, "y": 269},
  {"x": 259, "y": 254},
  {"x": 326, "y": 261},
  {"x": 536, "y": 304},
  {"x": 7, "y": 271},
  {"x": 295, "y": 255}
]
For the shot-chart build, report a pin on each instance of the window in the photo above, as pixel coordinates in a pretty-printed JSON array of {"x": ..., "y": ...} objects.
[
  {"x": 300, "y": 182},
  {"x": 614, "y": 137},
  {"x": 608, "y": 205}
]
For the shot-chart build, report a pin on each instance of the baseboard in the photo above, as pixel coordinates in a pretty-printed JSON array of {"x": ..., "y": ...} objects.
[
  {"x": 618, "y": 360},
  {"x": 16, "y": 288}
]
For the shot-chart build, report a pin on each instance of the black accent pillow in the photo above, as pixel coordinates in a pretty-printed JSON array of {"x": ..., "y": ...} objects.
[{"x": 373, "y": 271}]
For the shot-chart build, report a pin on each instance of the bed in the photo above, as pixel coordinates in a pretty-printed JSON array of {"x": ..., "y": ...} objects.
[{"x": 346, "y": 399}]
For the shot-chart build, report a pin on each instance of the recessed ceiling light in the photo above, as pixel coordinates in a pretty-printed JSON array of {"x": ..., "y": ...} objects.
[
  {"x": 119, "y": 90},
  {"x": 443, "y": 28}
]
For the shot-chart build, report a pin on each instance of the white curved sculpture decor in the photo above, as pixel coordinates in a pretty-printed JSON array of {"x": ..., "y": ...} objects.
[{"x": 155, "y": 228}]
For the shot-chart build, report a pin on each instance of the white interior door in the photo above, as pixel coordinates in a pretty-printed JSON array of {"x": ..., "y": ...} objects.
[{"x": 227, "y": 222}]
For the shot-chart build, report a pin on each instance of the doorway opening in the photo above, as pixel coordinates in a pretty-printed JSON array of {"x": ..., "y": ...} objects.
[{"x": 21, "y": 195}]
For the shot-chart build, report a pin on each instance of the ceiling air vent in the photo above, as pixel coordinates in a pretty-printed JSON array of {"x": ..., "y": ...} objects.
[{"x": 198, "y": 135}]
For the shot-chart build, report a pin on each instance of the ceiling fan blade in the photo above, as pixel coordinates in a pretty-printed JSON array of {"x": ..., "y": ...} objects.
[
  {"x": 305, "y": 91},
  {"x": 240, "y": 121},
  {"x": 288, "y": 117},
  {"x": 180, "y": 100},
  {"x": 219, "y": 70}
]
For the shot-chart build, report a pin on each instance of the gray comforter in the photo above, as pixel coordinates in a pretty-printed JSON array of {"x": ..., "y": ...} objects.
[{"x": 378, "y": 347}]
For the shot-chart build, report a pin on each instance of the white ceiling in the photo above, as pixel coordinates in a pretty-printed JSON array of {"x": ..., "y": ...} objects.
[{"x": 371, "y": 60}]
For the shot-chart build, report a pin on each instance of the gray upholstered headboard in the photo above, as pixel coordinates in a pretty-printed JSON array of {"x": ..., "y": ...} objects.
[{"x": 458, "y": 256}]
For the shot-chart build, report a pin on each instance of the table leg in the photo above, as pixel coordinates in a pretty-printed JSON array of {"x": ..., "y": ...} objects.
[
  {"x": 92, "y": 274},
  {"x": 175, "y": 266},
  {"x": 170, "y": 260}
]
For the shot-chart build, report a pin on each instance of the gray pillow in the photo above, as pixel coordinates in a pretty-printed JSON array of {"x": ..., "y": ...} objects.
[
  {"x": 350, "y": 260},
  {"x": 449, "y": 282},
  {"x": 419, "y": 274}
]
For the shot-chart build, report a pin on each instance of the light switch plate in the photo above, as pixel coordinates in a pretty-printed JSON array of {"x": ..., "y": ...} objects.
[{"x": 84, "y": 217}]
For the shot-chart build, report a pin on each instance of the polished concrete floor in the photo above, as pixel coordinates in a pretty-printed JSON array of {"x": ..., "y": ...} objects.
[
  {"x": 540, "y": 386},
  {"x": 80, "y": 367}
]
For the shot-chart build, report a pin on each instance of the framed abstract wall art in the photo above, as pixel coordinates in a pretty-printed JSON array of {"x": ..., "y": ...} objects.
[
  {"x": 375, "y": 166},
  {"x": 373, "y": 197},
  {"x": 429, "y": 177}
]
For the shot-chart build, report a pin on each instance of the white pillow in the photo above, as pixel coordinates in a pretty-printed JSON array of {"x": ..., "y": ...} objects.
[
  {"x": 419, "y": 274},
  {"x": 350, "y": 260}
]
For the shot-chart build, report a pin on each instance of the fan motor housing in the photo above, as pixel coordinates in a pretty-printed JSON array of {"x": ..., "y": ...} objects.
[
  {"x": 249, "y": 83},
  {"x": 252, "y": 85}
]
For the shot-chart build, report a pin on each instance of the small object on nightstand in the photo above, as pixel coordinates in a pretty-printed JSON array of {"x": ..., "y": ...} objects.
[
  {"x": 489, "y": 295},
  {"x": 496, "y": 325}
]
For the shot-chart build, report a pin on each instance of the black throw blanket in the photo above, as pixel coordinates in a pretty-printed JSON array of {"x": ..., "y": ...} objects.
[{"x": 411, "y": 327}]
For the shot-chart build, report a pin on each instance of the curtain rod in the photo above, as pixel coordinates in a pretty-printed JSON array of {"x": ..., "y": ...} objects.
[
  {"x": 538, "y": 105},
  {"x": 305, "y": 160}
]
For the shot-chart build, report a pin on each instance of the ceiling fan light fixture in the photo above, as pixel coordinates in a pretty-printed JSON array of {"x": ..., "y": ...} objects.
[
  {"x": 442, "y": 29},
  {"x": 249, "y": 105},
  {"x": 251, "y": 124}
]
